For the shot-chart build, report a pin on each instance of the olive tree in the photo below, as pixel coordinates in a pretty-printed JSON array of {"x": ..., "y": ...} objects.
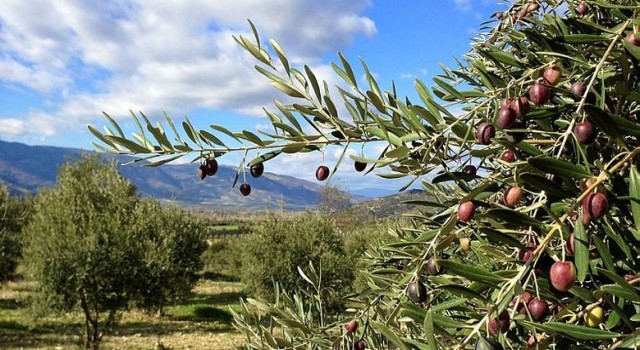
[
  {"x": 79, "y": 246},
  {"x": 13, "y": 215},
  {"x": 172, "y": 242},
  {"x": 532, "y": 237}
]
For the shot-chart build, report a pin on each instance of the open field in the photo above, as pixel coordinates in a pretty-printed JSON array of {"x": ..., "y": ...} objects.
[{"x": 201, "y": 322}]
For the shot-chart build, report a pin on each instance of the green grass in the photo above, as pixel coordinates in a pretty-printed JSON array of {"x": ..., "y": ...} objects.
[{"x": 201, "y": 322}]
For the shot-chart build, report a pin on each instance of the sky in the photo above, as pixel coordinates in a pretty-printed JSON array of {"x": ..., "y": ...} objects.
[{"x": 63, "y": 63}]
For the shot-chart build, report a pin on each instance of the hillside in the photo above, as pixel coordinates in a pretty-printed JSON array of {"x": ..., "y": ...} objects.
[{"x": 25, "y": 169}]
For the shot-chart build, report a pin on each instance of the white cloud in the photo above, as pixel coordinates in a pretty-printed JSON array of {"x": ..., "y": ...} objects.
[
  {"x": 11, "y": 127},
  {"x": 152, "y": 55}
]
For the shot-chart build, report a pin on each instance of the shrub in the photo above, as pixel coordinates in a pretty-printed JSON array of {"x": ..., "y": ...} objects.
[
  {"x": 172, "y": 242},
  {"x": 13, "y": 215},
  {"x": 274, "y": 250}
]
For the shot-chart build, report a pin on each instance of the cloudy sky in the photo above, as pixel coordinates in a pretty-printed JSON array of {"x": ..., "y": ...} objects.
[{"x": 64, "y": 62}]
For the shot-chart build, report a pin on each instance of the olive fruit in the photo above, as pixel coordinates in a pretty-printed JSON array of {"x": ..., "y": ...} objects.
[
  {"x": 595, "y": 205},
  {"x": 570, "y": 244},
  {"x": 512, "y": 196},
  {"x": 631, "y": 39},
  {"x": 485, "y": 133},
  {"x": 470, "y": 169},
  {"x": 211, "y": 166},
  {"x": 594, "y": 317},
  {"x": 506, "y": 118},
  {"x": 322, "y": 173},
  {"x": 466, "y": 211},
  {"x": 245, "y": 189},
  {"x": 582, "y": 8},
  {"x": 500, "y": 323},
  {"x": 417, "y": 292},
  {"x": 352, "y": 327},
  {"x": 202, "y": 171},
  {"x": 538, "y": 309},
  {"x": 552, "y": 74},
  {"x": 578, "y": 89},
  {"x": 508, "y": 156},
  {"x": 359, "y": 345},
  {"x": 359, "y": 166},
  {"x": 432, "y": 267},
  {"x": 585, "y": 132},
  {"x": 539, "y": 93},
  {"x": 257, "y": 169},
  {"x": 486, "y": 344},
  {"x": 562, "y": 275}
]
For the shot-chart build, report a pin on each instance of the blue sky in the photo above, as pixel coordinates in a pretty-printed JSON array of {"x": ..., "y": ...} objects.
[{"x": 61, "y": 68}]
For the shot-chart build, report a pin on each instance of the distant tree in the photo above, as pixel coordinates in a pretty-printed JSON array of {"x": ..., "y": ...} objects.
[
  {"x": 273, "y": 251},
  {"x": 79, "y": 244},
  {"x": 172, "y": 243},
  {"x": 13, "y": 214}
]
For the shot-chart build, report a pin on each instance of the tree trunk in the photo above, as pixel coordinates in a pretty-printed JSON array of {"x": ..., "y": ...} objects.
[{"x": 92, "y": 340}]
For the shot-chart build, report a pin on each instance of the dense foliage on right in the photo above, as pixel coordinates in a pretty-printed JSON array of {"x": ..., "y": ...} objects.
[
  {"x": 532, "y": 238},
  {"x": 536, "y": 238}
]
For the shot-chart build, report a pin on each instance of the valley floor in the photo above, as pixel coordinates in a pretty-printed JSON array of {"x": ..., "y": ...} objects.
[{"x": 202, "y": 322}]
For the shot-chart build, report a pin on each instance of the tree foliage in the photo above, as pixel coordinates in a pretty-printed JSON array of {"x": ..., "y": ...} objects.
[
  {"x": 13, "y": 214},
  {"x": 93, "y": 244},
  {"x": 172, "y": 242},
  {"x": 273, "y": 251},
  {"x": 549, "y": 104}
]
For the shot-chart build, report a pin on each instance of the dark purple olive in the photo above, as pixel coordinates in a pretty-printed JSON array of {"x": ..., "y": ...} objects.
[
  {"x": 245, "y": 189},
  {"x": 485, "y": 133},
  {"x": 211, "y": 166},
  {"x": 417, "y": 292},
  {"x": 506, "y": 118},
  {"x": 539, "y": 94},
  {"x": 585, "y": 132},
  {"x": 360, "y": 166},
  {"x": 595, "y": 205},
  {"x": 202, "y": 171},
  {"x": 322, "y": 173},
  {"x": 257, "y": 169}
]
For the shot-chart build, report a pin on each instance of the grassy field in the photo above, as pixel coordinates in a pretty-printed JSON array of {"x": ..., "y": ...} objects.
[{"x": 201, "y": 322}]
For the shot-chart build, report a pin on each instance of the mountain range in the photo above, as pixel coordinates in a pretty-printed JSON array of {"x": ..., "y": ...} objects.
[{"x": 25, "y": 169}]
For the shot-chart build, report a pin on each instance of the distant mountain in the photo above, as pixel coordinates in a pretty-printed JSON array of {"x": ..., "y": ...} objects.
[
  {"x": 389, "y": 207},
  {"x": 25, "y": 169}
]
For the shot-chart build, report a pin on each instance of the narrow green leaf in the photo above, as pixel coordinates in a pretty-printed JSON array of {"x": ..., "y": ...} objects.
[
  {"x": 287, "y": 89},
  {"x": 513, "y": 217},
  {"x": 314, "y": 82},
  {"x": 389, "y": 334},
  {"x": 224, "y": 130},
  {"x": 251, "y": 137},
  {"x": 574, "y": 331},
  {"x": 209, "y": 137},
  {"x": 582, "y": 38},
  {"x": 541, "y": 183},
  {"x": 264, "y": 157},
  {"x": 581, "y": 251},
  {"x": 622, "y": 292},
  {"x": 115, "y": 125},
  {"x": 429, "y": 331},
  {"x": 471, "y": 272},
  {"x": 281, "y": 55},
  {"x": 634, "y": 192},
  {"x": 559, "y": 167},
  {"x": 100, "y": 136},
  {"x": 462, "y": 291},
  {"x": 130, "y": 145},
  {"x": 632, "y": 49},
  {"x": 349, "y": 72}
]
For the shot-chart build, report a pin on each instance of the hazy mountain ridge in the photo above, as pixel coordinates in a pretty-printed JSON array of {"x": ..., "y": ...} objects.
[{"x": 25, "y": 169}]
